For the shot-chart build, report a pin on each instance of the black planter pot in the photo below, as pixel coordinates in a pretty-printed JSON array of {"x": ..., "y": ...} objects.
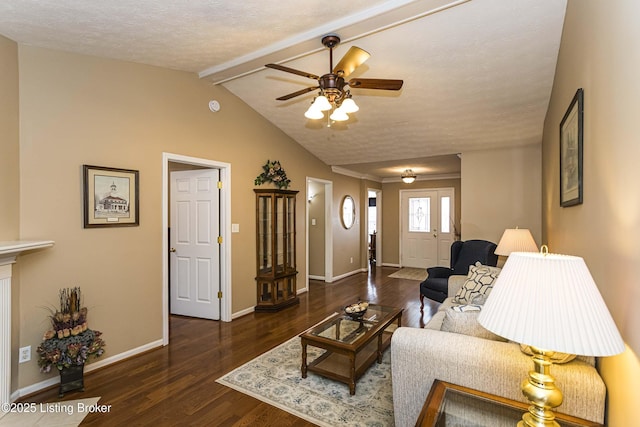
[{"x": 71, "y": 378}]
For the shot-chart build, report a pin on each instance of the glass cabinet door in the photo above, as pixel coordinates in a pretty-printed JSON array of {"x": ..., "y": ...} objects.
[
  {"x": 280, "y": 234},
  {"x": 291, "y": 235},
  {"x": 264, "y": 234}
]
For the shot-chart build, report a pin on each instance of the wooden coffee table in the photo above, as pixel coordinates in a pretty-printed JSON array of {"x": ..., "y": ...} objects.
[{"x": 351, "y": 345}]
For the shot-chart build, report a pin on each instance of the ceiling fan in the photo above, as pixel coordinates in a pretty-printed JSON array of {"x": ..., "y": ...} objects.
[{"x": 333, "y": 86}]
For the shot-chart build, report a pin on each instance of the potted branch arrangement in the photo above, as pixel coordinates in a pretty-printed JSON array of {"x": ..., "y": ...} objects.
[{"x": 70, "y": 342}]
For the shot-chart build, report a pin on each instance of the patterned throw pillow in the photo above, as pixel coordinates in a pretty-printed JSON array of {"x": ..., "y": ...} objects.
[
  {"x": 466, "y": 307},
  {"x": 478, "y": 285}
]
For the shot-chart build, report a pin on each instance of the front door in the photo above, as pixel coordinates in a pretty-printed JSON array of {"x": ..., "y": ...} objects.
[
  {"x": 426, "y": 227},
  {"x": 194, "y": 248}
]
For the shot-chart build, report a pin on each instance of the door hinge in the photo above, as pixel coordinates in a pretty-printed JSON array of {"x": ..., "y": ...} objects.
[
  {"x": 219, "y": 184},
  {"x": 219, "y": 240},
  {"x": 219, "y": 294}
]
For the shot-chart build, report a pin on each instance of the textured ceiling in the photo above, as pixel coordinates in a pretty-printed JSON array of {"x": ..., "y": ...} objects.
[{"x": 477, "y": 73}]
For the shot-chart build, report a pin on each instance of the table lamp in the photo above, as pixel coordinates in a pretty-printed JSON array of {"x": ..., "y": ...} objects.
[
  {"x": 551, "y": 303},
  {"x": 516, "y": 240}
]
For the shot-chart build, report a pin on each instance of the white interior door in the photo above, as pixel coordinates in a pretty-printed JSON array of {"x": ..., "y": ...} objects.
[
  {"x": 426, "y": 227},
  {"x": 194, "y": 248}
]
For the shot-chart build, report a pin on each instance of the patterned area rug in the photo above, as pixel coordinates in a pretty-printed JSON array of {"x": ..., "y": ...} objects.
[
  {"x": 69, "y": 413},
  {"x": 410, "y": 273},
  {"x": 274, "y": 377}
]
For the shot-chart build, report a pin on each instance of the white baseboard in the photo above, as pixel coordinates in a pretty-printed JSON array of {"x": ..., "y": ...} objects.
[
  {"x": 242, "y": 312},
  {"x": 33, "y": 388},
  {"x": 312, "y": 277},
  {"x": 351, "y": 273},
  {"x": 386, "y": 264}
]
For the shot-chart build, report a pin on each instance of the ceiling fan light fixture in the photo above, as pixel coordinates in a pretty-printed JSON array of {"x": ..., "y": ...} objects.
[
  {"x": 339, "y": 115},
  {"x": 349, "y": 106},
  {"x": 333, "y": 93},
  {"x": 313, "y": 113},
  {"x": 408, "y": 176},
  {"x": 322, "y": 103}
]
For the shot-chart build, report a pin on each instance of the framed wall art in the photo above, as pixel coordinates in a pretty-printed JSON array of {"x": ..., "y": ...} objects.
[
  {"x": 110, "y": 197},
  {"x": 571, "y": 152}
]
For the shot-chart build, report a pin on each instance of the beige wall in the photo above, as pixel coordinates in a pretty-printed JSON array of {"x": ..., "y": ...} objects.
[
  {"x": 346, "y": 243},
  {"x": 77, "y": 110},
  {"x": 599, "y": 52},
  {"x": 9, "y": 142},
  {"x": 501, "y": 189},
  {"x": 391, "y": 213}
]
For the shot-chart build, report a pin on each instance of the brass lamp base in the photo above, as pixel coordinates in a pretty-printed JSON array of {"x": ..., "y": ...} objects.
[{"x": 541, "y": 391}]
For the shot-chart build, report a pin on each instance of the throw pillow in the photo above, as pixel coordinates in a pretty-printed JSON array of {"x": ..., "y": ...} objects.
[
  {"x": 466, "y": 307},
  {"x": 478, "y": 285},
  {"x": 466, "y": 323},
  {"x": 557, "y": 357}
]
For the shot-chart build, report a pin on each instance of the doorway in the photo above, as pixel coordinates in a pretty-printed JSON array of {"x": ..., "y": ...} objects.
[
  {"x": 426, "y": 227},
  {"x": 319, "y": 232},
  {"x": 373, "y": 238},
  {"x": 224, "y": 231}
]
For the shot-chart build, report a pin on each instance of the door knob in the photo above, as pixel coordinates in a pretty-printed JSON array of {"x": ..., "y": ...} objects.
[{"x": 172, "y": 250}]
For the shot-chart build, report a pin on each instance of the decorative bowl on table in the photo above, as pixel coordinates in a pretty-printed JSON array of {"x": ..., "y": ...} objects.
[{"x": 357, "y": 310}]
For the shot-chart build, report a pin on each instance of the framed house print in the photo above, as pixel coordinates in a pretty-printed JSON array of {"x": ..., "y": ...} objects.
[
  {"x": 110, "y": 197},
  {"x": 571, "y": 152}
]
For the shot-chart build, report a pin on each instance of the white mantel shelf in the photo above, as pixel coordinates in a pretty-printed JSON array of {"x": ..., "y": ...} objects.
[
  {"x": 9, "y": 251},
  {"x": 15, "y": 247}
]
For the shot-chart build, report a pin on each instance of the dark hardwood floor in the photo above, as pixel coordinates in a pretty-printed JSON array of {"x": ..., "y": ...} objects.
[{"x": 175, "y": 385}]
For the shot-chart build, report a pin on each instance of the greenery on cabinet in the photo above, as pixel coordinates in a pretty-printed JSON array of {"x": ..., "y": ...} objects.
[{"x": 273, "y": 172}]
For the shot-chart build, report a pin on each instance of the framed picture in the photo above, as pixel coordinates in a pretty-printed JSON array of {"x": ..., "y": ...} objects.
[
  {"x": 110, "y": 197},
  {"x": 571, "y": 152}
]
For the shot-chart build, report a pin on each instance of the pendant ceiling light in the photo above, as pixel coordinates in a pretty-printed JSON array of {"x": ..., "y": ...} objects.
[{"x": 408, "y": 176}]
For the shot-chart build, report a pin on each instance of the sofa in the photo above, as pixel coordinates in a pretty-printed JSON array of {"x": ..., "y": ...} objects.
[{"x": 421, "y": 355}]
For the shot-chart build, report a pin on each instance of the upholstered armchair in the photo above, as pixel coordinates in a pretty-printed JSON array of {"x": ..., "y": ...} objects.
[{"x": 463, "y": 254}]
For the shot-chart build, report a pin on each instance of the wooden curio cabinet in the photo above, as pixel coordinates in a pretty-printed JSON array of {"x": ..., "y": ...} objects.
[{"x": 276, "y": 249}]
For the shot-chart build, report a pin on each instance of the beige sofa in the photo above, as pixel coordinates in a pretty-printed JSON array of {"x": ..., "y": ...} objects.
[{"x": 419, "y": 356}]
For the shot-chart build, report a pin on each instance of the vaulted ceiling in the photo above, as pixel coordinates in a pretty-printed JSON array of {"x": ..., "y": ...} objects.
[{"x": 477, "y": 73}]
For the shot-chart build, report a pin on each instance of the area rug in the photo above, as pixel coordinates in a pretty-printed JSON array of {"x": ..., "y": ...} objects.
[
  {"x": 274, "y": 377},
  {"x": 69, "y": 413},
  {"x": 410, "y": 273}
]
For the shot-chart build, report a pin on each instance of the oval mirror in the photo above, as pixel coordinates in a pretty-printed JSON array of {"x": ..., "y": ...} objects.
[{"x": 348, "y": 212}]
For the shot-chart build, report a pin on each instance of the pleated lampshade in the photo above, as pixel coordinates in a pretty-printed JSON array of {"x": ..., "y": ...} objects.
[
  {"x": 516, "y": 240},
  {"x": 550, "y": 301}
]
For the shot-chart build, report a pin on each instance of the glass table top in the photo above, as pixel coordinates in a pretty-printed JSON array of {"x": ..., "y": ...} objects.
[
  {"x": 344, "y": 329},
  {"x": 460, "y": 408}
]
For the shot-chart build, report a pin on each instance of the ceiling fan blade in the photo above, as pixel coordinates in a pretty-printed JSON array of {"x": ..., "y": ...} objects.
[
  {"x": 350, "y": 61},
  {"x": 297, "y": 93},
  {"x": 385, "y": 84},
  {"x": 292, "y": 70}
]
